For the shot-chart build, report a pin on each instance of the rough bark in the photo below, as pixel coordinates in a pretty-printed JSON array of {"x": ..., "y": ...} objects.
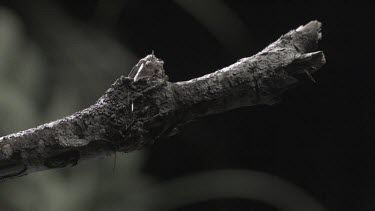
[{"x": 133, "y": 114}]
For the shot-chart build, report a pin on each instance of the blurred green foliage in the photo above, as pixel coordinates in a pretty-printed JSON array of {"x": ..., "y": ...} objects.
[
  {"x": 65, "y": 68},
  {"x": 25, "y": 75},
  {"x": 21, "y": 75}
]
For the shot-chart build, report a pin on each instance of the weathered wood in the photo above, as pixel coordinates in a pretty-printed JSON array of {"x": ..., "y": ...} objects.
[{"x": 134, "y": 113}]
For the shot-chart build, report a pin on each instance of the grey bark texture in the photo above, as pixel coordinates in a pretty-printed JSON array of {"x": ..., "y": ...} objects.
[{"x": 135, "y": 112}]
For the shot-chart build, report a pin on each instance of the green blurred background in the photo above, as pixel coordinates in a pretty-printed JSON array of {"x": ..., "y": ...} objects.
[{"x": 310, "y": 152}]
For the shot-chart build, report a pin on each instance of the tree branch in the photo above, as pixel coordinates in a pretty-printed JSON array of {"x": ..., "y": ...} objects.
[{"x": 134, "y": 113}]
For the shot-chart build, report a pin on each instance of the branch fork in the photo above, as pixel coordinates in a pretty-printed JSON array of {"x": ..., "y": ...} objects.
[{"x": 139, "y": 109}]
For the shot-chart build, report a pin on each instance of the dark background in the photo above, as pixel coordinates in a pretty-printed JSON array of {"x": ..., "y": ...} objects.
[{"x": 318, "y": 137}]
